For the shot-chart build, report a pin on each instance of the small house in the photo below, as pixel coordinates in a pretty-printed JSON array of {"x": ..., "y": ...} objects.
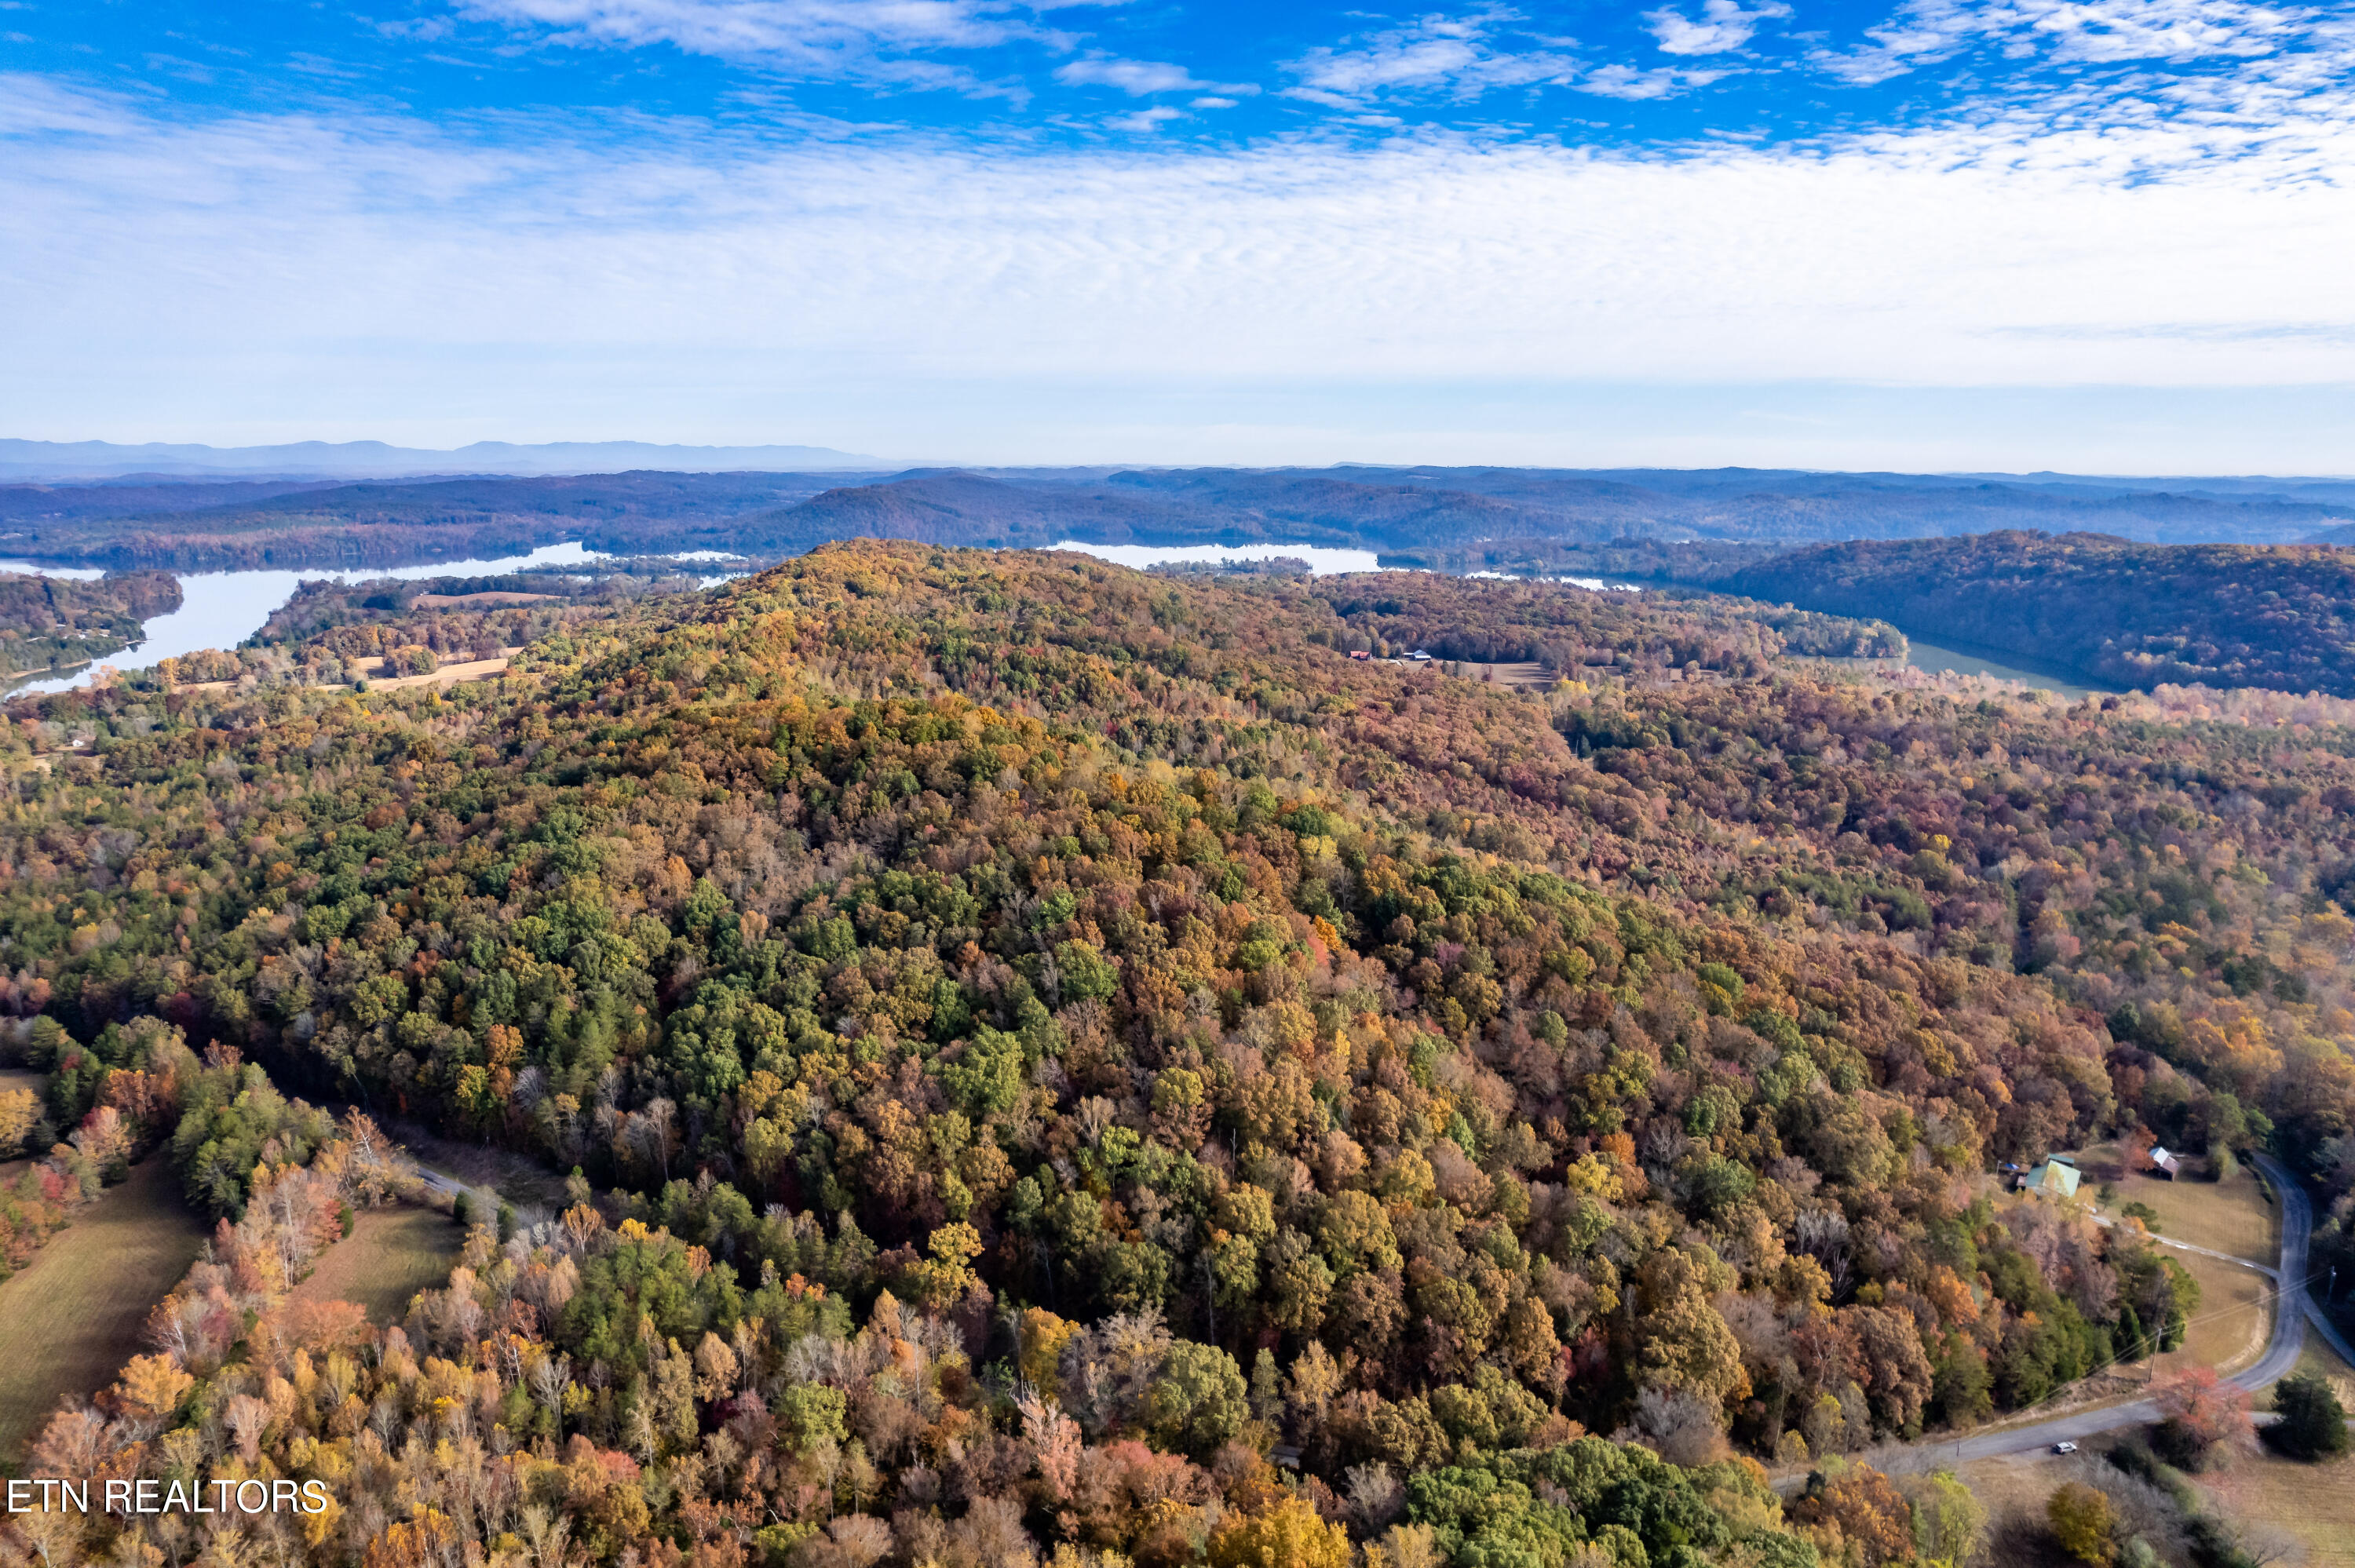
[
  {"x": 2164, "y": 1164},
  {"x": 2053, "y": 1179}
]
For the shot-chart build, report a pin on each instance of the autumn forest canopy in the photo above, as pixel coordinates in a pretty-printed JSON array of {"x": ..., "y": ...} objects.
[{"x": 1060, "y": 1064}]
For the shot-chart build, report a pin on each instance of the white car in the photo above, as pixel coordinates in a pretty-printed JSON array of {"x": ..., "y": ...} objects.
[{"x": 2064, "y": 1448}]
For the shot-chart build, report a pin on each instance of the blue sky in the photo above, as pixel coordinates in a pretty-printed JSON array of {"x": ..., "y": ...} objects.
[{"x": 2094, "y": 234}]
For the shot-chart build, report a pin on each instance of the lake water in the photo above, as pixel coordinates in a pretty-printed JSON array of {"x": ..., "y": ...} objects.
[
  {"x": 35, "y": 569},
  {"x": 1323, "y": 562},
  {"x": 221, "y": 609},
  {"x": 1599, "y": 585}
]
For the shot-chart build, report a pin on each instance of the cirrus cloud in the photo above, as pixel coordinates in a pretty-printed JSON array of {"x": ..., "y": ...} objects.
[
  {"x": 885, "y": 41},
  {"x": 1140, "y": 78},
  {"x": 2136, "y": 192},
  {"x": 1723, "y": 26},
  {"x": 1459, "y": 56},
  {"x": 1889, "y": 256}
]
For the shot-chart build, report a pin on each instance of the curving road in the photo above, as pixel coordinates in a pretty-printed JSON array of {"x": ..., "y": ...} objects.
[{"x": 2292, "y": 1307}]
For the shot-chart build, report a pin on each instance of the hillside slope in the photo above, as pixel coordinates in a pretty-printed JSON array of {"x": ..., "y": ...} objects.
[
  {"x": 1169, "y": 1037},
  {"x": 389, "y": 524},
  {"x": 46, "y": 622},
  {"x": 2105, "y": 609},
  {"x": 1500, "y": 517}
]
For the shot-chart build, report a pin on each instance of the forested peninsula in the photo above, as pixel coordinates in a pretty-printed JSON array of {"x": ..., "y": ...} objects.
[
  {"x": 2106, "y": 610},
  {"x": 1066, "y": 1065},
  {"x": 49, "y": 623}
]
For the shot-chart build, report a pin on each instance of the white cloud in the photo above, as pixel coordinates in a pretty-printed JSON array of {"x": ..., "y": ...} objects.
[
  {"x": 881, "y": 39},
  {"x": 2178, "y": 32},
  {"x": 1144, "y": 119},
  {"x": 1724, "y": 26},
  {"x": 1140, "y": 78},
  {"x": 1463, "y": 56},
  {"x": 364, "y": 269},
  {"x": 1628, "y": 82}
]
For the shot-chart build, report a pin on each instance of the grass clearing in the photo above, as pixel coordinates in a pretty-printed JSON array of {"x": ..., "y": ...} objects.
[
  {"x": 2235, "y": 1322},
  {"x": 536, "y": 1191},
  {"x": 2228, "y": 1216},
  {"x": 69, "y": 1319},
  {"x": 1525, "y": 677},
  {"x": 2315, "y": 1503},
  {"x": 2311, "y": 1503},
  {"x": 390, "y": 1255},
  {"x": 2318, "y": 1356}
]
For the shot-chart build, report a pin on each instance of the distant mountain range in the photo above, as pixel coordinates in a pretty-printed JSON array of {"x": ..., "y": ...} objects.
[
  {"x": 1526, "y": 511},
  {"x": 37, "y": 462},
  {"x": 2124, "y": 581},
  {"x": 1660, "y": 524}
]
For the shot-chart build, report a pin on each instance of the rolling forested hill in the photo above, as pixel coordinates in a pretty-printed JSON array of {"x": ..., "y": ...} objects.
[
  {"x": 47, "y": 622},
  {"x": 377, "y": 524},
  {"x": 2108, "y": 610},
  {"x": 1504, "y": 516},
  {"x": 1036, "y": 1039}
]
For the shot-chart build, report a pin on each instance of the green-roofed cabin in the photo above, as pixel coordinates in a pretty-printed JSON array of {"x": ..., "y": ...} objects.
[{"x": 2053, "y": 1179}]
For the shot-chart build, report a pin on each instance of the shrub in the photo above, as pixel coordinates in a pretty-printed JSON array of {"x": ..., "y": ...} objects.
[
  {"x": 2204, "y": 1415},
  {"x": 2080, "y": 1518},
  {"x": 2313, "y": 1424}
]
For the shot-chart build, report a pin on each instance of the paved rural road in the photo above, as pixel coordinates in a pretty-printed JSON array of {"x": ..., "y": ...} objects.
[{"x": 2292, "y": 1307}]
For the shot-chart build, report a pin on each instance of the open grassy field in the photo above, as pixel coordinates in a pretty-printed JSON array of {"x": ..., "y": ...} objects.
[
  {"x": 2230, "y": 1216},
  {"x": 2236, "y": 1217},
  {"x": 69, "y": 1319},
  {"x": 536, "y": 1192},
  {"x": 2315, "y": 1503},
  {"x": 390, "y": 1255},
  {"x": 1528, "y": 676},
  {"x": 2234, "y": 1320}
]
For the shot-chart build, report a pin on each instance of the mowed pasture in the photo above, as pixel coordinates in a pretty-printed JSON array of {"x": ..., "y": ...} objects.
[
  {"x": 390, "y": 1255},
  {"x": 2229, "y": 1330},
  {"x": 2234, "y": 1216},
  {"x": 2314, "y": 1503},
  {"x": 2233, "y": 1323},
  {"x": 69, "y": 1319},
  {"x": 1526, "y": 677}
]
